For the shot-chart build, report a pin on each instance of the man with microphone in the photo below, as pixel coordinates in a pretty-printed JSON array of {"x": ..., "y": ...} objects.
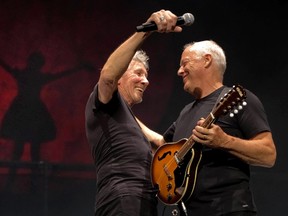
[{"x": 122, "y": 153}]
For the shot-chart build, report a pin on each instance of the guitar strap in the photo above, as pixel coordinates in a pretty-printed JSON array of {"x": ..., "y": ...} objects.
[
  {"x": 181, "y": 205},
  {"x": 223, "y": 92}
]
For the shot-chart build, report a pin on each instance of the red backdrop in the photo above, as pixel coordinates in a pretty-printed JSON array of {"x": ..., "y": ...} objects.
[{"x": 68, "y": 33}]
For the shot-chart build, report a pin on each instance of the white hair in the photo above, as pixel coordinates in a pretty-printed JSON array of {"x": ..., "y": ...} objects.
[
  {"x": 212, "y": 48},
  {"x": 141, "y": 56}
]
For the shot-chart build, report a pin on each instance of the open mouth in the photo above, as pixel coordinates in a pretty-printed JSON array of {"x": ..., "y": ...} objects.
[
  {"x": 184, "y": 79},
  {"x": 140, "y": 90}
]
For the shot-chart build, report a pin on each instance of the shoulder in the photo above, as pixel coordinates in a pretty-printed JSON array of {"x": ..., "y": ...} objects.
[
  {"x": 95, "y": 103},
  {"x": 252, "y": 98}
]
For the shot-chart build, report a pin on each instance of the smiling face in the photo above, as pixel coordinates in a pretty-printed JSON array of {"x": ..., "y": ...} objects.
[
  {"x": 202, "y": 67},
  {"x": 192, "y": 70},
  {"x": 133, "y": 83}
]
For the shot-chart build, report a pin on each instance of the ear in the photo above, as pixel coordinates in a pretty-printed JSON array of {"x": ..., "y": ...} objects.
[
  {"x": 208, "y": 60},
  {"x": 119, "y": 81}
]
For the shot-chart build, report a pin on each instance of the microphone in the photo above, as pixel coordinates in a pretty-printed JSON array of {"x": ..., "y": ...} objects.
[{"x": 187, "y": 19}]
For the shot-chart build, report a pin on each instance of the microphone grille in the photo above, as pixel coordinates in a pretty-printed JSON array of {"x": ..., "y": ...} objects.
[{"x": 188, "y": 19}]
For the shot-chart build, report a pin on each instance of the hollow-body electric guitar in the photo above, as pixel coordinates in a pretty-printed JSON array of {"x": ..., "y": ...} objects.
[{"x": 175, "y": 165}]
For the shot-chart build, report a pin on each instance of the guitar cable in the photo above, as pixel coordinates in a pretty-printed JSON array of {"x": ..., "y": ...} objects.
[
  {"x": 184, "y": 208},
  {"x": 163, "y": 210}
]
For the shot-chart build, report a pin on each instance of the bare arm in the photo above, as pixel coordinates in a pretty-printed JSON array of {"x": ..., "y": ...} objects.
[
  {"x": 119, "y": 60},
  {"x": 151, "y": 135},
  {"x": 116, "y": 65},
  {"x": 258, "y": 151}
]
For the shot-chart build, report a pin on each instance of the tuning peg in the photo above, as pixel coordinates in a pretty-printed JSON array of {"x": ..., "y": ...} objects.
[
  {"x": 232, "y": 114},
  {"x": 240, "y": 107}
]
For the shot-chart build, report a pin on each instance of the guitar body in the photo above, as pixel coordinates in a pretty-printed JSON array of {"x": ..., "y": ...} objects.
[{"x": 175, "y": 181}]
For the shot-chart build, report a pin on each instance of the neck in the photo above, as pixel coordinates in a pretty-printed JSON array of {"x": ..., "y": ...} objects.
[{"x": 208, "y": 88}]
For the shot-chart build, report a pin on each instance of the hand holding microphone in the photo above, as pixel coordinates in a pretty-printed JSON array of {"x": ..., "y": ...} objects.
[{"x": 160, "y": 20}]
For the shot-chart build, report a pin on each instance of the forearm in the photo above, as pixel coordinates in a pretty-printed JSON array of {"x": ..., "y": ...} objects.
[
  {"x": 259, "y": 151},
  {"x": 152, "y": 136},
  {"x": 119, "y": 60},
  {"x": 117, "y": 64}
]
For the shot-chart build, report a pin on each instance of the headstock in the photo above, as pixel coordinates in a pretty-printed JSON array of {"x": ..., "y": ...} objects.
[{"x": 231, "y": 102}]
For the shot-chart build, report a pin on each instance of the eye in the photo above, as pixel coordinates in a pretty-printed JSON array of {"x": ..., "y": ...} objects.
[
  {"x": 184, "y": 63},
  {"x": 141, "y": 73}
]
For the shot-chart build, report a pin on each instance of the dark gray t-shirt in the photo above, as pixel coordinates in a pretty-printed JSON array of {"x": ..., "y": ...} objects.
[
  {"x": 121, "y": 153},
  {"x": 222, "y": 184}
]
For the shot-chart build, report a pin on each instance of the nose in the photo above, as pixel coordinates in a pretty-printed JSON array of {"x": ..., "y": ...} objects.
[
  {"x": 144, "y": 80},
  {"x": 180, "y": 71}
]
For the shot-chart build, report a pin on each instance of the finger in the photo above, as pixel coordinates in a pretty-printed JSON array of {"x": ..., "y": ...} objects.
[
  {"x": 199, "y": 135},
  {"x": 200, "y": 122},
  {"x": 199, "y": 139},
  {"x": 159, "y": 18},
  {"x": 171, "y": 20},
  {"x": 167, "y": 22},
  {"x": 156, "y": 17},
  {"x": 202, "y": 130}
]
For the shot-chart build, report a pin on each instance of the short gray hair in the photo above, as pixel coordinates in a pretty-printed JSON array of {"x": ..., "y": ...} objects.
[
  {"x": 212, "y": 48},
  {"x": 141, "y": 56}
]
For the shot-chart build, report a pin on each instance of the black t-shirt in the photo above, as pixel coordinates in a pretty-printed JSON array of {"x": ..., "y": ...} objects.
[
  {"x": 222, "y": 184},
  {"x": 121, "y": 153}
]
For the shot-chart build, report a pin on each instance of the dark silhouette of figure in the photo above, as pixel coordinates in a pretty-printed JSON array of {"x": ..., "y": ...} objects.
[{"x": 28, "y": 119}]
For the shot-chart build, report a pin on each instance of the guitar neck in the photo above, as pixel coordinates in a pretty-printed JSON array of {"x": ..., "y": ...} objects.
[{"x": 187, "y": 146}]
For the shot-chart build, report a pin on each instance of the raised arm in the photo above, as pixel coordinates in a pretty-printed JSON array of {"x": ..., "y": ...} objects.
[{"x": 119, "y": 60}]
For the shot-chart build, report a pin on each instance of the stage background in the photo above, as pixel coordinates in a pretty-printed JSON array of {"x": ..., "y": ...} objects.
[{"x": 69, "y": 41}]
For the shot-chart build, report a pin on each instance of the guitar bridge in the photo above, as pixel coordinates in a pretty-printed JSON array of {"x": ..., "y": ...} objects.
[
  {"x": 167, "y": 173},
  {"x": 177, "y": 159}
]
